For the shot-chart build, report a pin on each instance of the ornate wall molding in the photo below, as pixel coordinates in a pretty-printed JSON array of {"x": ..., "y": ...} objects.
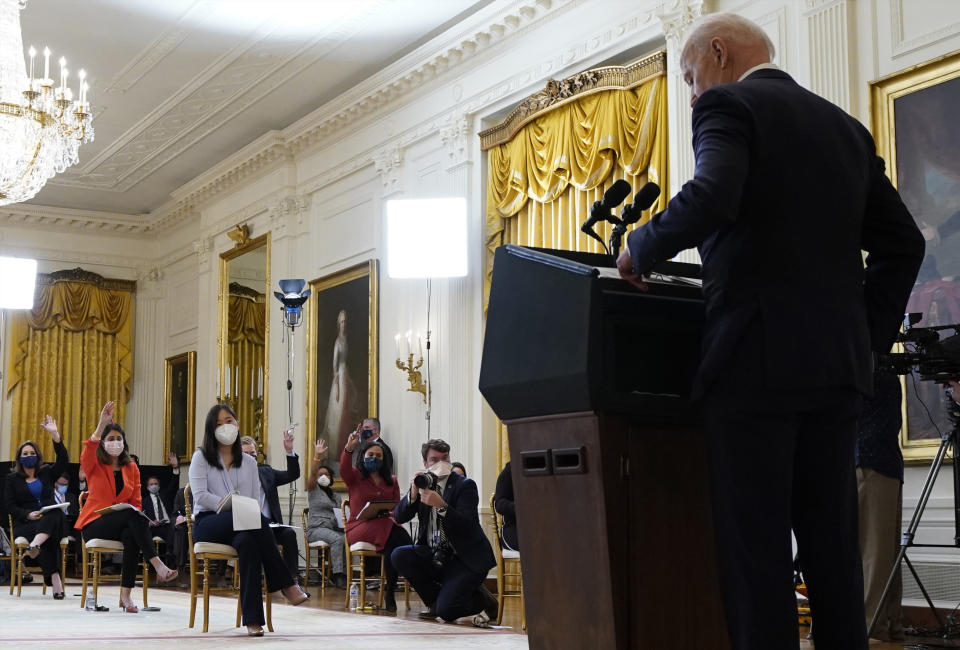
[
  {"x": 389, "y": 165},
  {"x": 456, "y": 137},
  {"x": 88, "y": 277},
  {"x": 902, "y": 45},
  {"x": 828, "y": 48},
  {"x": 27, "y": 215}
]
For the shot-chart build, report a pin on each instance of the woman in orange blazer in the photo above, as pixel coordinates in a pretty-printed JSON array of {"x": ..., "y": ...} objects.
[{"x": 113, "y": 478}]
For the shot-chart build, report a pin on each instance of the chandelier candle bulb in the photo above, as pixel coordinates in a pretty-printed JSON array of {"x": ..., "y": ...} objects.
[
  {"x": 33, "y": 53},
  {"x": 409, "y": 345},
  {"x": 396, "y": 341},
  {"x": 46, "y": 63}
]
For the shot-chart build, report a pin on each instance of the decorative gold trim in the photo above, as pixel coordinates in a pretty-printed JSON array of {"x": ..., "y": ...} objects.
[
  {"x": 223, "y": 306},
  {"x": 370, "y": 269},
  {"x": 169, "y": 363},
  {"x": 556, "y": 93},
  {"x": 883, "y": 93},
  {"x": 240, "y": 234},
  {"x": 80, "y": 275}
]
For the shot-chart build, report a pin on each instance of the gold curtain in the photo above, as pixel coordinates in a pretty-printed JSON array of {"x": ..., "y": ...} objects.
[
  {"x": 245, "y": 353},
  {"x": 69, "y": 355},
  {"x": 542, "y": 182}
]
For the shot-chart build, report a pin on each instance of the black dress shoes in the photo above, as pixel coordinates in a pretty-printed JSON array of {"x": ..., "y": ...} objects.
[{"x": 428, "y": 614}]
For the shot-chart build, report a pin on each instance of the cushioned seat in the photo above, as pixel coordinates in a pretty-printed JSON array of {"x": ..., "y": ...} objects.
[
  {"x": 22, "y": 541},
  {"x": 318, "y": 544},
  {"x": 510, "y": 555},
  {"x": 158, "y": 539},
  {"x": 362, "y": 546},
  {"x": 211, "y": 547},
  {"x": 69, "y": 539},
  {"x": 105, "y": 544}
]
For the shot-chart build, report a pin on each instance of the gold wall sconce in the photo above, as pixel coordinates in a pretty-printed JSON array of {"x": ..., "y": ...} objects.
[{"x": 411, "y": 367}]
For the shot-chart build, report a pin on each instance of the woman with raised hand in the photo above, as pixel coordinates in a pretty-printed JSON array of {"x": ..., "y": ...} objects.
[
  {"x": 216, "y": 470},
  {"x": 321, "y": 518},
  {"x": 113, "y": 478},
  {"x": 29, "y": 488},
  {"x": 368, "y": 473}
]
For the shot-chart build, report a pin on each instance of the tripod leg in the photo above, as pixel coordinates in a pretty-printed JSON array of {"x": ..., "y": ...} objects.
[{"x": 943, "y": 626}]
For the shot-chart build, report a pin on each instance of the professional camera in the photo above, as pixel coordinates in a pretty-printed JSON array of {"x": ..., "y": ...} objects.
[
  {"x": 934, "y": 358},
  {"x": 425, "y": 481},
  {"x": 442, "y": 554}
]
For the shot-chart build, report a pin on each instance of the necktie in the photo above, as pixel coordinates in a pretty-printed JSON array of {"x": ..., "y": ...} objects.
[{"x": 160, "y": 510}]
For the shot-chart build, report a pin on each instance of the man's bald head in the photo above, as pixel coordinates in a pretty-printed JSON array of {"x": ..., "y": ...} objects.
[{"x": 720, "y": 49}]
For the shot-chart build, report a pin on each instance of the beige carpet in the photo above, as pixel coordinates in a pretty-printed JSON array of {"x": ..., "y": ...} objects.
[{"x": 62, "y": 624}]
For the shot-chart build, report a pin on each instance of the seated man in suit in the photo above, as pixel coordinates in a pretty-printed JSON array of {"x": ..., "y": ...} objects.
[
  {"x": 451, "y": 557},
  {"x": 270, "y": 480},
  {"x": 158, "y": 506},
  {"x": 62, "y": 494}
]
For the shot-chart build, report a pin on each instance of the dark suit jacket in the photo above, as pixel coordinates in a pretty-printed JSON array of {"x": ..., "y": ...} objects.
[
  {"x": 17, "y": 498},
  {"x": 271, "y": 479},
  {"x": 167, "y": 494},
  {"x": 461, "y": 523},
  {"x": 787, "y": 191}
]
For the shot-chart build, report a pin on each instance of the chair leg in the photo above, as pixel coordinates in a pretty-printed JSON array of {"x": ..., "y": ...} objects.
[
  {"x": 362, "y": 602},
  {"x": 269, "y": 607},
  {"x": 346, "y": 596},
  {"x": 324, "y": 562},
  {"x": 193, "y": 589},
  {"x": 383, "y": 580},
  {"x": 13, "y": 566},
  {"x": 84, "y": 579},
  {"x": 19, "y": 573},
  {"x": 146, "y": 582},
  {"x": 96, "y": 576},
  {"x": 500, "y": 587},
  {"x": 206, "y": 594}
]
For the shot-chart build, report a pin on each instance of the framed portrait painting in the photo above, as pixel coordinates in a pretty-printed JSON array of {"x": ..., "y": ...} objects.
[
  {"x": 914, "y": 119},
  {"x": 179, "y": 402},
  {"x": 343, "y": 354}
]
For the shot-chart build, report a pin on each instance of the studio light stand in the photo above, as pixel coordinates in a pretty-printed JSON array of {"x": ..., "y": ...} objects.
[{"x": 292, "y": 295}]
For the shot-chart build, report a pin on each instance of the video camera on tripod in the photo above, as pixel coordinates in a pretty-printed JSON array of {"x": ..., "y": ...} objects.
[{"x": 934, "y": 358}]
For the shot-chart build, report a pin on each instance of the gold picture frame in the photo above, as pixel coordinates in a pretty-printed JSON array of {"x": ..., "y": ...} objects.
[
  {"x": 913, "y": 120},
  {"x": 179, "y": 405},
  {"x": 352, "y": 291}
]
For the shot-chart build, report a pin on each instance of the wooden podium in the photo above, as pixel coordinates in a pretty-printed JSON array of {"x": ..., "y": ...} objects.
[{"x": 592, "y": 378}]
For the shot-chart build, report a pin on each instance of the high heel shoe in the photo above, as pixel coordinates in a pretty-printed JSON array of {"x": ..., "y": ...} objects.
[
  {"x": 59, "y": 596},
  {"x": 254, "y": 630},
  {"x": 129, "y": 609},
  {"x": 299, "y": 597},
  {"x": 167, "y": 577}
]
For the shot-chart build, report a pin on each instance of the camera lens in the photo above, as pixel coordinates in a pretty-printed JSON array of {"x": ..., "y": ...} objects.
[{"x": 422, "y": 481}]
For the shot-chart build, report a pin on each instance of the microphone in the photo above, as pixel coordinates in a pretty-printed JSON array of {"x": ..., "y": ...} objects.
[
  {"x": 642, "y": 201},
  {"x": 600, "y": 210}
]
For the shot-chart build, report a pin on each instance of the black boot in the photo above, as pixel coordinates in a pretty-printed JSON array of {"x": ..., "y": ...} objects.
[{"x": 389, "y": 600}]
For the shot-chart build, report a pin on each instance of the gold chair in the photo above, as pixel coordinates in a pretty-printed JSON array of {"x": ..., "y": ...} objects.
[
  {"x": 323, "y": 549},
  {"x": 64, "y": 549},
  {"x": 92, "y": 551},
  {"x": 206, "y": 552},
  {"x": 361, "y": 551},
  {"x": 10, "y": 557},
  {"x": 17, "y": 567},
  {"x": 505, "y": 558}
]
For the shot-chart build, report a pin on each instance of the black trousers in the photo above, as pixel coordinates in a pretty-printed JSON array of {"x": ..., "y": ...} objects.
[
  {"x": 165, "y": 531},
  {"x": 453, "y": 590},
  {"x": 256, "y": 549},
  {"x": 130, "y": 528},
  {"x": 180, "y": 551},
  {"x": 287, "y": 538},
  {"x": 50, "y": 523},
  {"x": 782, "y": 460}
]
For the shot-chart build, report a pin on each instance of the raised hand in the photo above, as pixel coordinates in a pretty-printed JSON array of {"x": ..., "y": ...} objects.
[
  {"x": 320, "y": 449},
  {"x": 288, "y": 440},
  {"x": 173, "y": 459},
  {"x": 106, "y": 417},
  {"x": 352, "y": 440},
  {"x": 50, "y": 426}
]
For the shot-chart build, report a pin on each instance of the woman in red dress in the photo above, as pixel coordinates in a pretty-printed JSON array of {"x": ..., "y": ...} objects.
[{"x": 368, "y": 473}]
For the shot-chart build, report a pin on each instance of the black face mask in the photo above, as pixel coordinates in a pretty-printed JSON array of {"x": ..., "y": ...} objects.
[{"x": 366, "y": 434}]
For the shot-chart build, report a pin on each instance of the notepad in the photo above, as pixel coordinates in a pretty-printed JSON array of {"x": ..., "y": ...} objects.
[
  {"x": 64, "y": 506},
  {"x": 246, "y": 511},
  {"x": 119, "y": 507},
  {"x": 374, "y": 509}
]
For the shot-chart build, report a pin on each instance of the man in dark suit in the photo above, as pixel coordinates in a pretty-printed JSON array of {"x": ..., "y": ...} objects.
[
  {"x": 451, "y": 557},
  {"x": 786, "y": 193},
  {"x": 270, "y": 480},
  {"x": 158, "y": 506}
]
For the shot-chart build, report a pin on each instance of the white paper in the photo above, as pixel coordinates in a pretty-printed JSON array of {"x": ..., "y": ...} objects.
[
  {"x": 338, "y": 515},
  {"x": 246, "y": 512},
  {"x": 64, "y": 506}
]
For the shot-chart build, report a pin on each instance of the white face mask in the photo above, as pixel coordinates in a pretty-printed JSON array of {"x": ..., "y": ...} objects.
[
  {"x": 441, "y": 468},
  {"x": 226, "y": 433},
  {"x": 323, "y": 481},
  {"x": 113, "y": 447}
]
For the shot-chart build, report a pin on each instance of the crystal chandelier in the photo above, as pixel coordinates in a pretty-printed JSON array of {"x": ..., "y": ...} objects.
[{"x": 41, "y": 126}]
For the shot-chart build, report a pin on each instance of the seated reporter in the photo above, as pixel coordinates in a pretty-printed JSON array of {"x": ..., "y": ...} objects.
[
  {"x": 270, "y": 480},
  {"x": 321, "y": 520},
  {"x": 504, "y": 504},
  {"x": 450, "y": 561},
  {"x": 368, "y": 473},
  {"x": 158, "y": 505},
  {"x": 30, "y": 486},
  {"x": 217, "y": 469},
  {"x": 113, "y": 478}
]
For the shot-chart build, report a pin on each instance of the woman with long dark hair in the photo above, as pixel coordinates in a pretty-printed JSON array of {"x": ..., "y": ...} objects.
[
  {"x": 368, "y": 473},
  {"x": 29, "y": 488},
  {"x": 216, "y": 470},
  {"x": 112, "y": 479},
  {"x": 321, "y": 518}
]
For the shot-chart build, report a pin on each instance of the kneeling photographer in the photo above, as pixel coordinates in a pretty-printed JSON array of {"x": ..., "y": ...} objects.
[{"x": 451, "y": 557}]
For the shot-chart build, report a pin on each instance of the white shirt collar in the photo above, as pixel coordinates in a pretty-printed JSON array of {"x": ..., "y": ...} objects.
[{"x": 762, "y": 66}]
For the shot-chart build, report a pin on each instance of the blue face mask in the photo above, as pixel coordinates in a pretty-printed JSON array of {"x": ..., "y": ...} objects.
[
  {"x": 29, "y": 461},
  {"x": 62, "y": 489},
  {"x": 372, "y": 463}
]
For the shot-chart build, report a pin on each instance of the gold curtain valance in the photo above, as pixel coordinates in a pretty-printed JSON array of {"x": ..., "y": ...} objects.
[{"x": 247, "y": 315}]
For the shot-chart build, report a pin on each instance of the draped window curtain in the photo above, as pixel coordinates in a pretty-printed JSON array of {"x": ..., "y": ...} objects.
[
  {"x": 69, "y": 355},
  {"x": 245, "y": 352},
  {"x": 542, "y": 182}
]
